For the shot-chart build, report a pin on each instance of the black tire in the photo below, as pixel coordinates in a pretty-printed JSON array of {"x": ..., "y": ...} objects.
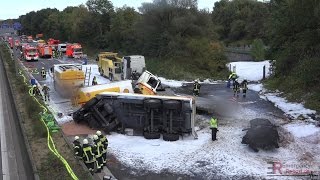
[
  {"x": 170, "y": 137},
  {"x": 171, "y": 104},
  {"x": 77, "y": 116},
  {"x": 152, "y": 103},
  {"x": 90, "y": 103},
  {"x": 151, "y": 135}
]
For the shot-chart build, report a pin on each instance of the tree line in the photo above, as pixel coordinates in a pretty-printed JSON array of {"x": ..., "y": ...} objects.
[{"x": 175, "y": 32}]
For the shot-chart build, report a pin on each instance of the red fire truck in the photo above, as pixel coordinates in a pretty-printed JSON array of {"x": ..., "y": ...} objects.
[
  {"x": 74, "y": 50},
  {"x": 30, "y": 53},
  {"x": 45, "y": 51},
  {"x": 53, "y": 43}
]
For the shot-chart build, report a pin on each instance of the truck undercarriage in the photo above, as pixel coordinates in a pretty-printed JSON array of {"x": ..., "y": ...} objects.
[{"x": 148, "y": 115}]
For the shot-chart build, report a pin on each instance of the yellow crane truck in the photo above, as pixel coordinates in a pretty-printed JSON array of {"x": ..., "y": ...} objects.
[{"x": 110, "y": 65}]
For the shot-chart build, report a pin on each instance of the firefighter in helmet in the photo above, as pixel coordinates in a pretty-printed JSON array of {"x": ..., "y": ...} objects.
[
  {"x": 43, "y": 73},
  {"x": 196, "y": 88},
  {"x": 88, "y": 155}
]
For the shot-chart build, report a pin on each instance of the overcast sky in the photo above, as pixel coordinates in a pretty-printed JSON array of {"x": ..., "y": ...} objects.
[{"x": 10, "y": 9}]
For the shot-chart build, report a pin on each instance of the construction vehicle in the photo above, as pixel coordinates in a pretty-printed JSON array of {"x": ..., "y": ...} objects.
[
  {"x": 67, "y": 79},
  {"x": 45, "y": 51},
  {"x": 110, "y": 65},
  {"x": 53, "y": 43},
  {"x": 30, "y": 53},
  {"x": 74, "y": 50},
  {"x": 133, "y": 66}
]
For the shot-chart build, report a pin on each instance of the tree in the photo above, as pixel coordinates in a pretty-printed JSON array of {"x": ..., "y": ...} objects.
[{"x": 258, "y": 50}]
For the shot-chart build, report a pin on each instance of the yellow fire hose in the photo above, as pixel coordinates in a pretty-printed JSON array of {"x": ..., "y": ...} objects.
[{"x": 50, "y": 141}]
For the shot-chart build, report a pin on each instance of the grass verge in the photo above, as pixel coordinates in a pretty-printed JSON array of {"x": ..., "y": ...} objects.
[{"x": 49, "y": 167}]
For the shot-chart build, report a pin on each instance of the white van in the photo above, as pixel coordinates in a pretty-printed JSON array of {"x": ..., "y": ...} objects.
[
  {"x": 62, "y": 48},
  {"x": 133, "y": 65}
]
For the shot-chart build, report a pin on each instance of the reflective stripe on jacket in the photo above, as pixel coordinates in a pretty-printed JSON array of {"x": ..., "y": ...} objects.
[{"x": 88, "y": 155}]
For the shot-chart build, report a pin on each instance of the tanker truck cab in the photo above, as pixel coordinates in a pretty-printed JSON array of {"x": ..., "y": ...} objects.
[
  {"x": 62, "y": 48},
  {"x": 147, "y": 84}
]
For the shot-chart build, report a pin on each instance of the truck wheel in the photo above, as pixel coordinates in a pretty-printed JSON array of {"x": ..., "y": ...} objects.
[
  {"x": 90, "y": 103},
  {"x": 152, "y": 103},
  {"x": 171, "y": 104},
  {"x": 77, "y": 116},
  {"x": 151, "y": 135},
  {"x": 170, "y": 137}
]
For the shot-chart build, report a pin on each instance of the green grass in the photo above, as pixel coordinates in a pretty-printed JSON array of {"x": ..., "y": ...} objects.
[
  {"x": 294, "y": 91},
  {"x": 182, "y": 69}
]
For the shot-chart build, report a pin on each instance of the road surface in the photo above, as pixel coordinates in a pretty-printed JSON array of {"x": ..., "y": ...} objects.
[{"x": 15, "y": 162}]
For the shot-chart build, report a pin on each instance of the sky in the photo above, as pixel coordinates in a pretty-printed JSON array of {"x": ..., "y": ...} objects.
[{"x": 11, "y": 9}]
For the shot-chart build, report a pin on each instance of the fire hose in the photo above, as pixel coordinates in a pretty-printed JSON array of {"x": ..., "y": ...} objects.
[{"x": 48, "y": 121}]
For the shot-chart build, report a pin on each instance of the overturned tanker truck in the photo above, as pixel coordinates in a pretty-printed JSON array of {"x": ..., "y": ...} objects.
[
  {"x": 145, "y": 112},
  {"x": 149, "y": 115}
]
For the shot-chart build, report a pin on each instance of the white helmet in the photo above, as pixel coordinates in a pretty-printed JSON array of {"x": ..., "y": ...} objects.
[
  {"x": 44, "y": 84},
  {"x": 76, "y": 138},
  {"x": 98, "y": 133},
  {"x": 95, "y": 137},
  {"x": 34, "y": 86},
  {"x": 85, "y": 141}
]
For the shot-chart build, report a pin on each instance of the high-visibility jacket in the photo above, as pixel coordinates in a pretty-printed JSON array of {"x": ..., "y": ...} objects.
[
  {"x": 43, "y": 72},
  {"x": 104, "y": 142},
  {"x": 77, "y": 148},
  {"x": 98, "y": 148},
  {"x": 196, "y": 86},
  {"x": 213, "y": 123},
  {"x": 88, "y": 155},
  {"x": 233, "y": 76}
]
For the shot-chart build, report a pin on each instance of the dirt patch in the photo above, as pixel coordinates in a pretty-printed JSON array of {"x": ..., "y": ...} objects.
[{"x": 73, "y": 129}]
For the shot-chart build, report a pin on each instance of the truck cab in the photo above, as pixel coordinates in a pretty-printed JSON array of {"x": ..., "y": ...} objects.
[
  {"x": 30, "y": 53},
  {"x": 110, "y": 65},
  {"x": 74, "y": 51},
  {"x": 147, "y": 84},
  {"x": 62, "y": 48}
]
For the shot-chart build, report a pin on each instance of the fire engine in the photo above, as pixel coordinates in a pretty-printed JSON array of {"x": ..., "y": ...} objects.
[
  {"x": 11, "y": 44},
  {"x": 45, "y": 51},
  {"x": 53, "y": 43},
  {"x": 74, "y": 50},
  {"x": 30, "y": 53}
]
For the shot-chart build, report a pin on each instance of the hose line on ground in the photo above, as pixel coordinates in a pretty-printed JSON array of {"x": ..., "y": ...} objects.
[{"x": 46, "y": 118}]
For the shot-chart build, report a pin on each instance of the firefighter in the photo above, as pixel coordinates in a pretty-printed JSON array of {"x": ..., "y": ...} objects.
[
  {"x": 104, "y": 141},
  {"x": 196, "y": 88},
  {"x": 98, "y": 151},
  {"x": 236, "y": 88},
  {"x": 77, "y": 147},
  {"x": 43, "y": 73},
  {"x": 46, "y": 90},
  {"x": 214, "y": 128},
  {"x": 244, "y": 86},
  {"x": 232, "y": 77},
  {"x": 35, "y": 90},
  {"x": 94, "y": 81},
  {"x": 88, "y": 156}
]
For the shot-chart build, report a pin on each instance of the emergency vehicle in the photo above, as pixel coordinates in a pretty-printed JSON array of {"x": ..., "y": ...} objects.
[
  {"x": 45, "y": 51},
  {"x": 53, "y": 43},
  {"x": 110, "y": 65},
  {"x": 74, "y": 50},
  {"x": 11, "y": 43},
  {"x": 30, "y": 53}
]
